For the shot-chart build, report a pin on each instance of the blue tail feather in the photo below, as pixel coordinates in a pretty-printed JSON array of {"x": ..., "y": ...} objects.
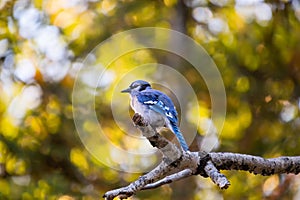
[{"x": 180, "y": 137}]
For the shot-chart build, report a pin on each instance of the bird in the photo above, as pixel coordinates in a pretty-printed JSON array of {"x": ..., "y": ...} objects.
[{"x": 155, "y": 107}]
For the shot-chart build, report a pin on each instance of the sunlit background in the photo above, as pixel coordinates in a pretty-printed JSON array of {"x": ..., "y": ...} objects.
[{"x": 254, "y": 43}]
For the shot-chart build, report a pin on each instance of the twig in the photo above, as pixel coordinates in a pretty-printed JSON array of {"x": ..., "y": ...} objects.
[
  {"x": 216, "y": 176},
  {"x": 169, "y": 179}
]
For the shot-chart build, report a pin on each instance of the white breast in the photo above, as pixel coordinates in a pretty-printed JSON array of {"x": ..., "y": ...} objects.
[
  {"x": 154, "y": 118},
  {"x": 136, "y": 106}
]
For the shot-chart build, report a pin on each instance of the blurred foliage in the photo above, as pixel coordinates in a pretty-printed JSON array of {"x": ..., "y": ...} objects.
[{"x": 255, "y": 44}]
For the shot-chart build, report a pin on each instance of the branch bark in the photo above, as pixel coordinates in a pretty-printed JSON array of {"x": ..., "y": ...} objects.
[
  {"x": 169, "y": 179},
  {"x": 177, "y": 164}
]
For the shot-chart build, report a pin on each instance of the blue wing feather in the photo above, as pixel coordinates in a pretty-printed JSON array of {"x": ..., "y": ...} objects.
[
  {"x": 157, "y": 108},
  {"x": 159, "y": 102}
]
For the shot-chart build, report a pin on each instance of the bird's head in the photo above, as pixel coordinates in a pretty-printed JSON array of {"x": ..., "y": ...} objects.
[{"x": 138, "y": 86}]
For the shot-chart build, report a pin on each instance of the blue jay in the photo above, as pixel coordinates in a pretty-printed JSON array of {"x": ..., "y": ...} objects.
[{"x": 155, "y": 107}]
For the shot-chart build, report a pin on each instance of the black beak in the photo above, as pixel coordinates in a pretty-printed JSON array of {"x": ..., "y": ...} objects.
[{"x": 128, "y": 90}]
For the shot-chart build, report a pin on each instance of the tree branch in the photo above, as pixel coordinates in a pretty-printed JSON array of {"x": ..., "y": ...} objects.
[
  {"x": 169, "y": 179},
  {"x": 256, "y": 164},
  {"x": 216, "y": 176},
  {"x": 178, "y": 164}
]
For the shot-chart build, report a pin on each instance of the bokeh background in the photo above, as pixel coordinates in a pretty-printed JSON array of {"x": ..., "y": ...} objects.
[{"x": 254, "y": 43}]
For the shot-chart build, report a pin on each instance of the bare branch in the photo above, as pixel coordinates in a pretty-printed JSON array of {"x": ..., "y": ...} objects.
[
  {"x": 178, "y": 164},
  {"x": 169, "y": 179},
  {"x": 256, "y": 164},
  {"x": 137, "y": 185},
  {"x": 216, "y": 176},
  {"x": 167, "y": 148}
]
